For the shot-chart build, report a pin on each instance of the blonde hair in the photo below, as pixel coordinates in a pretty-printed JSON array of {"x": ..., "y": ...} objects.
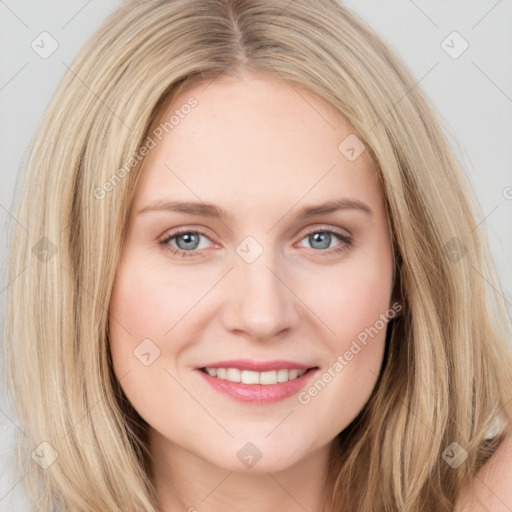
[{"x": 447, "y": 364}]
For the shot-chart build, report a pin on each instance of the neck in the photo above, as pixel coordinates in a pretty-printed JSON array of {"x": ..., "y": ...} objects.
[{"x": 186, "y": 482}]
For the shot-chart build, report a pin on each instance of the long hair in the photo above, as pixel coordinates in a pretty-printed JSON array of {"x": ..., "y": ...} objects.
[{"x": 448, "y": 370}]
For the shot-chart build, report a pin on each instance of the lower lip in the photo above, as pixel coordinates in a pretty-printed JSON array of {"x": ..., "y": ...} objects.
[{"x": 259, "y": 393}]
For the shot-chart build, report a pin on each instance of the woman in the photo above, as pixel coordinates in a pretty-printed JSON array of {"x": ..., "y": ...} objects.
[{"x": 171, "y": 346}]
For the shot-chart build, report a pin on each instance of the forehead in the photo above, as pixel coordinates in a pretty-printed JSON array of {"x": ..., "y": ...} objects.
[{"x": 250, "y": 139}]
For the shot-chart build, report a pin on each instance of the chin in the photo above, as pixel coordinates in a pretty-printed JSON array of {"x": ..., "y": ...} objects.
[
  {"x": 261, "y": 455},
  {"x": 268, "y": 463}
]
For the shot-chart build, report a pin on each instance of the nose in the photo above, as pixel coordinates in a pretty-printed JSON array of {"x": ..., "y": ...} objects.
[{"x": 260, "y": 301}]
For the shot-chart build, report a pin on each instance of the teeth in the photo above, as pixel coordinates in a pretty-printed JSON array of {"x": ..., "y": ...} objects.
[
  {"x": 282, "y": 375},
  {"x": 233, "y": 374},
  {"x": 268, "y": 377},
  {"x": 250, "y": 377}
]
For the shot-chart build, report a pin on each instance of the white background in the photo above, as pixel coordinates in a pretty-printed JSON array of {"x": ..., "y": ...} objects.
[{"x": 473, "y": 94}]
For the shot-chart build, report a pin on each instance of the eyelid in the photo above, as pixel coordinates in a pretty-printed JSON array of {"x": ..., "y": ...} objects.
[
  {"x": 169, "y": 235},
  {"x": 346, "y": 240},
  {"x": 163, "y": 241},
  {"x": 200, "y": 230},
  {"x": 336, "y": 231}
]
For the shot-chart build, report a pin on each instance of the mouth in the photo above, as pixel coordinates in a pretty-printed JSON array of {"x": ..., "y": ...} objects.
[
  {"x": 258, "y": 382},
  {"x": 250, "y": 377}
]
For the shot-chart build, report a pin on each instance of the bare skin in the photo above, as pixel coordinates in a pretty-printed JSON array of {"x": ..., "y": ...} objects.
[
  {"x": 257, "y": 149},
  {"x": 491, "y": 490}
]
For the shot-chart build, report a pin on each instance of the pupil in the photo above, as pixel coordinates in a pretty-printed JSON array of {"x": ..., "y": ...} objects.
[
  {"x": 189, "y": 241},
  {"x": 321, "y": 236}
]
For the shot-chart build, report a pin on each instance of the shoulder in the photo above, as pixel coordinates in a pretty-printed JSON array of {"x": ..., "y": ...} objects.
[{"x": 491, "y": 490}]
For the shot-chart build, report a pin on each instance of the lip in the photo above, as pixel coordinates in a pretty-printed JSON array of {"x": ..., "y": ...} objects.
[
  {"x": 258, "y": 393},
  {"x": 257, "y": 366}
]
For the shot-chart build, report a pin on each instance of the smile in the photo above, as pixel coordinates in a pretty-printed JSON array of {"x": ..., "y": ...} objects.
[
  {"x": 251, "y": 377},
  {"x": 257, "y": 382}
]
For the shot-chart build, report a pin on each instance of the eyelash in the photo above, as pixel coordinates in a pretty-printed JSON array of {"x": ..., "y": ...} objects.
[{"x": 347, "y": 242}]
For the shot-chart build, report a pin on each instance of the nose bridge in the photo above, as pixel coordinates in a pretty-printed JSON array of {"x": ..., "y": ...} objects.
[{"x": 260, "y": 304}]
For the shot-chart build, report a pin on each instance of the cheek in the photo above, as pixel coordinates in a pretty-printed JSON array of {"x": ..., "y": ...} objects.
[
  {"x": 148, "y": 301},
  {"x": 353, "y": 295},
  {"x": 355, "y": 306},
  {"x": 143, "y": 307}
]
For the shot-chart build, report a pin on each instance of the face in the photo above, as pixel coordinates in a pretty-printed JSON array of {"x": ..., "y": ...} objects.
[{"x": 249, "y": 323}]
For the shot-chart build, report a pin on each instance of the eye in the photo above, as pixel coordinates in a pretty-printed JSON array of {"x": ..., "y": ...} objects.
[
  {"x": 321, "y": 239},
  {"x": 187, "y": 242}
]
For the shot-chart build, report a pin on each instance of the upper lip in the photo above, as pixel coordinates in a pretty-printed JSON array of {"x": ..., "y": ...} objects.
[{"x": 257, "y": 366}]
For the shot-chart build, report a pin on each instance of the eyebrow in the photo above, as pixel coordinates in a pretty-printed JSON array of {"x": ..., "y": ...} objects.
[{"x": 211, "y": 210}]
